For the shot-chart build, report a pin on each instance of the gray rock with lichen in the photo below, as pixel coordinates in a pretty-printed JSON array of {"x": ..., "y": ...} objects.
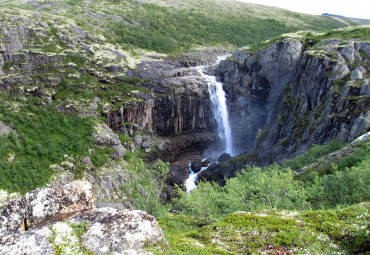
[
  {"x": 108, "y": 230},
  {"x": 4, "y": 129},
  {"x": 111, "y": 230},
  {"x": 356, "y": 75},
  {"x": 104, "y": 136},
  {"x": 43, "y": 205}
]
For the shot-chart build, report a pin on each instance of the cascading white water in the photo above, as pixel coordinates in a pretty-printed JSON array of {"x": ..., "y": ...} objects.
[
  {"x": 190, "y": 182},
  {"x": 221, "y": 114}
]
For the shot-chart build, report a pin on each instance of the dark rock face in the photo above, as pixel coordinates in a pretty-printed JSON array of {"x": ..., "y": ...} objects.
[
  {"x": 224, "y": 157},
  {"x": 287, "y": 97},
  {"x": 167, "y": 115},
  {"x": 180, "y": 110},
  {"x": 196, "y": 165},
  {"x": 253, "y": 84}
]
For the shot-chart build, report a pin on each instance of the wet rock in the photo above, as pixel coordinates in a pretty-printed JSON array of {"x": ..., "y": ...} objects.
[
  {"x": 179, "y": 172},
  {"x": 196, "y": 165},
  {"x": 111, "y": 230},
  {"x": 206, "y": 162},
  {"x": 224, "y": 157}
]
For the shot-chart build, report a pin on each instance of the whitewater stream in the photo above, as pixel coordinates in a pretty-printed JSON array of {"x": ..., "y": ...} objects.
[{"x": 221, "y": 115}]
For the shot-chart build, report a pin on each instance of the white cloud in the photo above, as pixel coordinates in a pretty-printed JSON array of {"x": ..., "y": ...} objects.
[{"x": 354, "y": 8}]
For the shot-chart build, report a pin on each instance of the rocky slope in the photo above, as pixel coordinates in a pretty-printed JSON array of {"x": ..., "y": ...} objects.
[{"x": 64, "y": 221}]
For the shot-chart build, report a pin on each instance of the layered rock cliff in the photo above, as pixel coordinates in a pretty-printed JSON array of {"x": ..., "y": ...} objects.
[{"x": 292, "y": 95}]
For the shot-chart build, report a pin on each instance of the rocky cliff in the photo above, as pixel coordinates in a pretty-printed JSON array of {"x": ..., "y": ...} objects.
[{"x": 292, "y": 94}]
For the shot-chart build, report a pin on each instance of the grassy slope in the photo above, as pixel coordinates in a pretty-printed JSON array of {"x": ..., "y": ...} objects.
[{"x": 176, "y": 26}]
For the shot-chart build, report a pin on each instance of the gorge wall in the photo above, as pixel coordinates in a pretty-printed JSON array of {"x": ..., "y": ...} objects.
[{"x": 293, "y": 94}]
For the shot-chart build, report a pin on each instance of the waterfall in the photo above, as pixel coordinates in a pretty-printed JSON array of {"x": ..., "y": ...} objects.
[
  {"x": 218, "y": 99},
  {"x": 220, "y": 112},
  {"x": 190, "y": 182}
]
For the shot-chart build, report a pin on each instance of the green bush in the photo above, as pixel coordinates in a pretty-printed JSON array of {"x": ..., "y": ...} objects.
[
  {"x": 252, "y": 190},
  {"x": 345, "y": 187},
  {"x": 145, "y": 185}
]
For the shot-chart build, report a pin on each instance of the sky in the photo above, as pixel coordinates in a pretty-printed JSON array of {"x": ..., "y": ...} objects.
[{"x": 348, "y": 8}]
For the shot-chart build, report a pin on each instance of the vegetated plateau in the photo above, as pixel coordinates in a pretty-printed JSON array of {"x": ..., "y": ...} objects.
[{"x": 109, "y": 92}]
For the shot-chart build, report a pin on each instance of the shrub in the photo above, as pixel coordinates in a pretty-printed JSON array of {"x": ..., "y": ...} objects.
[{"x": 145, "y": 185}]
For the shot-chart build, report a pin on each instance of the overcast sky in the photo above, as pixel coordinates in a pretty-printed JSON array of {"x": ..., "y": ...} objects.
[{"x": 349, "y": 8}]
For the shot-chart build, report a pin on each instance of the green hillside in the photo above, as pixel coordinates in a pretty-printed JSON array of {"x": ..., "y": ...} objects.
[{"x": 167, "y": 27}]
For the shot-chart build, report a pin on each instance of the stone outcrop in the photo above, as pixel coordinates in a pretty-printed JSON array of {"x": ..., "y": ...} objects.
[
  {"x": 44, "y": 205},
  {"x": 4, "y": 129},
  {"x": 105, "y": 137},
  {"x": 31, "y": 225},
  {"x": 291, "y": 95},
  {"x": 111, "y": 230}
]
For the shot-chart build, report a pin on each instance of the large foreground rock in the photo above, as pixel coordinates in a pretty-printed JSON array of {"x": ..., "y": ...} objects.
[
  {"x": 44, "y": 205},
  {"x": 111, "y": 230},
  {"x": 32, "y": 225}
]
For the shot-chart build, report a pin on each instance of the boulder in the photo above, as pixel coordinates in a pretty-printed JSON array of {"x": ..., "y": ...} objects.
[
  {"x": 111, "y": 230},
  {"x": 44, "y": 205},
  {"x": 119, "y": 152},
  {"x": 32, "y": 225},
  {"x": 224, "y": 157},
  {"x": 104, "y": 136},
  {"x": 35, "y": 241},
  {"x": 356, "y": 75},
  {"x": 196, "y": 165}
]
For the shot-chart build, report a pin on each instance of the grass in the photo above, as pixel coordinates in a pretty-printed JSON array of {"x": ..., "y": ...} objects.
[
  {"x": 310, "y": 156},
  {"x": 43, "y": 137}
]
